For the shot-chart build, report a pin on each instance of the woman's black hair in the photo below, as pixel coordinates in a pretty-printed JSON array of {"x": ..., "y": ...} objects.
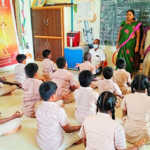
[
  {"x": 140, "y": 83},
  {"x": 106, "y": 102}
]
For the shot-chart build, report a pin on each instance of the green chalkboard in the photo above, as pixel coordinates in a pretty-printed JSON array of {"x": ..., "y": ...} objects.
[{"x": 113, "y": 12}]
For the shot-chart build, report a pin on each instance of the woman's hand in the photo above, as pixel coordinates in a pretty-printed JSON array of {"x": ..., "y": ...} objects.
[{"x": 117, "y": 46}]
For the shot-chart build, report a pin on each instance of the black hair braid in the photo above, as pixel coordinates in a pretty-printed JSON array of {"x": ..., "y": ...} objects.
[
  {"x": 133, "y": 86},
  {"x": 147, "y": 84}
]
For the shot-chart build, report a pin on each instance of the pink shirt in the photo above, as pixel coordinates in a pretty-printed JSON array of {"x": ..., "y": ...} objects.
[
  {"x": 87, "y": 66},
  {"x": 48, "y": 66},
  {"x": 50, "y": 119},
  {"x": 138, "y": 107},
  {"x": 64, "y": 80},
  {"x": 20, "y": 75},
  {"x": 103, "y": 133},
  {"x": 31, "y": 95},
  {"x": 122, "y": 77},
  {"x": 86, "y": 99},
  {"x": 108, "y": 85}
]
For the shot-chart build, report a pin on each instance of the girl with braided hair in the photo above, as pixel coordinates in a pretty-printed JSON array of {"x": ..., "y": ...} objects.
[{"x": 101, "y": 131}]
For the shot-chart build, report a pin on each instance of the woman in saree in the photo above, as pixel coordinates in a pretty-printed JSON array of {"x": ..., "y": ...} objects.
[{"x": 128, "y": 40}]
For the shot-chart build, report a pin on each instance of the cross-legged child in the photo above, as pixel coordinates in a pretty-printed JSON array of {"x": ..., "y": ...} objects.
[
  {"x": 10, "y": 124},
  {"x": 136, "y": 108},
  {"x": 122, "y": 77},
  {"x": 52, "y": 121},
  {"x": 86, "y": 65},
  {"x": 85, "y": 97},
  {"x": 107, "y": 84},
  {"x": 31, "y": 89},
  {"x": 65, "y": 81},
  {"x": 101, "y": 131},
  {"x": 48, "y": 65},
  {"x": 20, "y": 75}
]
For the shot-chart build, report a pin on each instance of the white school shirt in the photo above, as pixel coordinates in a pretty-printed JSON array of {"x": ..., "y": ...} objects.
[
  {"x": 50, "y": 119},
  {"x": 97, "y": 56},
  {"x": 86, "y": 99},
  {"x": 20, "y": 75}
]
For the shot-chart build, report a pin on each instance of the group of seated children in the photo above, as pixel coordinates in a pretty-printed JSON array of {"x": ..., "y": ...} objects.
[{"x": 95, "y": 111}]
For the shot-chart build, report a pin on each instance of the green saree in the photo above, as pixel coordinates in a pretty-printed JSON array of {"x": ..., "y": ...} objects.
[{"x": 127, "y": 51}]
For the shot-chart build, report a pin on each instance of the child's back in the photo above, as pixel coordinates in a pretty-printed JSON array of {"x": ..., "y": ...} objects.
[
  {"x": 86, "y": 65},
  {"x": 48, "y": 65},
  {"x": 107, "y": 84},
  {"x": 64, "y": 80},
  {"x": 52, "y": 121},
  {"x": 31, "y": 90},
  {"x": 19, "y": 69},
  {"x": 50, "y": 117},
  {"x": 85, "y": 97},
  {"x": 122, "y": 77}
]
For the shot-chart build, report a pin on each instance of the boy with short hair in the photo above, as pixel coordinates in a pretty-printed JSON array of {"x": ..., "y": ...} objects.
[
  {"x": 65, "y": 81},
  {"x": 52, "y": 120},
  {"x": 31, "y": 89},
  {"x": 86, "y": 65},
  {"x": 85, "y": 97},
  {"x": 48, "y": 65},
  {"x": 122, "y": 77},
  {"x": 19, "y": 69},
  {"x": 107, "y": 84}
]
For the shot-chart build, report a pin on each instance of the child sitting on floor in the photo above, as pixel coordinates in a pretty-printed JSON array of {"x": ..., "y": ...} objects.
[
  {"x": 10, "y": 124},
  {"x": 136, "y": 107},
  {"x": 65, "y": 81},
  {"x": 48, "y": 65},
  {"x": 20, "y": 75},
  {"x": 101, "y": 131},
  {"x": 85, "y": 97},
  {"x": 86, "y": 65},
  {"x": 107, "y": 84},
  {"x": 122, "y": 77},
  {"x": 52, "y": 120},
  {"x": 31, "y": 89}
]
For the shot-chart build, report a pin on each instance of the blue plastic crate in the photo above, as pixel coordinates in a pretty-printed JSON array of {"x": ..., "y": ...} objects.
[{"x": 73, "y": 56}]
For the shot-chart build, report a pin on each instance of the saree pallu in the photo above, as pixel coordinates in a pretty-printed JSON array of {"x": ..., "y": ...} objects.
[{"x": 127, "y": 51}]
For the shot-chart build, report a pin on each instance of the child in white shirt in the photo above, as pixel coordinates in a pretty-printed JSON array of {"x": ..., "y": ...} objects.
[
  {"x": 20, "y": 75},
  {"x": 48, "y": 65}
]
